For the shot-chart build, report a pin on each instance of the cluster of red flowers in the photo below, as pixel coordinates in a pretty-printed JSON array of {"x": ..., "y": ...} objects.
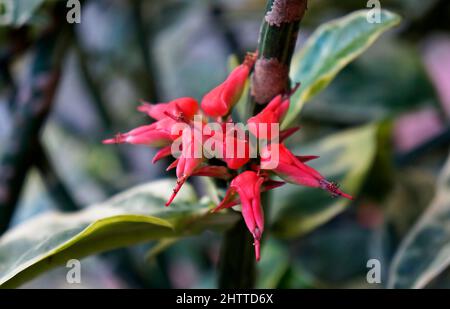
[{"x": 250, "y": 176}]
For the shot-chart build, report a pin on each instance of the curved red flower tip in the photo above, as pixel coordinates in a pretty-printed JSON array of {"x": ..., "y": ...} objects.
[
  {"x": 188, "y": 162},
  {"x": 155, "y": 111},
  {"x": 172, "y": 165},
  {"x": 257, "y": 243},
  {"x": 156, "y": 134},
  {"x": 277, "y": 158},
  {"x": 231, "y": 199},
  {"x": 260, "y": 125},
  {"x": 285, "y": 134},
  {"x": 271, "y": 184},
  {"x": 333, "y": 188},
  {"x": 180, "y": 182},
  {"x": 248, "y": 186},
  {"x": 220, "y": 100},
  {"x": 182, "y": 108},
  {"x": 306, "y": 158},
  {"x": 162, "y": 153}
]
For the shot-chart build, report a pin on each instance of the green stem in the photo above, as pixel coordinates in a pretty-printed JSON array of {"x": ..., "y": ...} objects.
[
  {"x": 237, "y": 267},
  {"x": 277, "y": 39},
  {"x": 276, "y": 44}
]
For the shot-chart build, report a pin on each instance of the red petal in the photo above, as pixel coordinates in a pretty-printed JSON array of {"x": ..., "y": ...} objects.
[
  {"x": 173, "y": 165},
  {"x": 180, "y": 182},
  {"x": 287, "y": 133},
  {"x": 118, "y": 139},
  {"x": 164, "y": 152},
  {"x": 333, "y": 188},
  {"x": 257, "y": 245},
  {"x": 213, "y": 171},
  {"x": 155, "y": 111},
  {"x": 271, "y": 184},
  {"x": 306, "y": 158},
  {"x": 212, "y": 103},
  {"x": 230, "y": 200},
  {"x": 221, "y": 99}
]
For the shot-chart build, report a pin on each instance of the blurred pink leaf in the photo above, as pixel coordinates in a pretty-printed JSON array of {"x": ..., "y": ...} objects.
[{"x": 437, "y": 63}]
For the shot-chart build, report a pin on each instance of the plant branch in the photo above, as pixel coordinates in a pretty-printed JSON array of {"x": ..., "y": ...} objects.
[
  {"x": 237, "y": 267},
  {"x": 270, "y": 78},
  {"x": 277, "y": 39}
]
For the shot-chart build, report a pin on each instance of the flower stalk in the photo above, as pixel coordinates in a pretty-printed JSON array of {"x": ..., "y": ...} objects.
[
  {"x": 200, "y": 147},
  {"x": 270, "y": 78}
]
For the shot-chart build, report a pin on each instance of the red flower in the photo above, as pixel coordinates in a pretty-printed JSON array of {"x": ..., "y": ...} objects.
[
  {"x": 291, "y": 169},
  {"x": 232, "y": 147},
  {"x": 219, "y": 101},
  {"x": 159, "y": 133},
  {"x": 239, "y": 156},
  {"x": 200, "y": 141},
  {"x": 272, "y": 114},
  {"x": 182, "y": 108},
  {"x": 248, "y": 186},
  {"x": 189, "y": 161},
  {"x": 156, "y": 134}
]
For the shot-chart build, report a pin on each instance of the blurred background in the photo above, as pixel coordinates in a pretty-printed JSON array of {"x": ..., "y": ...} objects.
[{"x": 388, "y": 110}]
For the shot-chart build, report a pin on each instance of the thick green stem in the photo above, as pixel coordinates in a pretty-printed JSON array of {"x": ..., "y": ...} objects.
[
  {"x": 237, "y": 267},
  {"x": 276, "y": 45}
]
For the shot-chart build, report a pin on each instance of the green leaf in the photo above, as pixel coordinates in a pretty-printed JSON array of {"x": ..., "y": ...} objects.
[
  {"x": 345, "y": 157},
  {"x": 134, "y": 216},
  {"x": 345, "y": 244},
  {"x": 18, "y": 12},
  {"x": 425, "y": 251},
  {"x": 329, "y": 49},
  {"x": 367, "y": 89}
]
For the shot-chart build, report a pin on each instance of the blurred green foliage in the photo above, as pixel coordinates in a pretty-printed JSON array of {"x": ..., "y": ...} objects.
[{"x": 400, "y": 215}]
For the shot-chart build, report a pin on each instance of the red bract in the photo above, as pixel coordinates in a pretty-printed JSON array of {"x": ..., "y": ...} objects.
[
  {"x": 182, "y": 108},
  {"x": 233, "y": 159},
  {"x": 248, "y": 186},
  {"x": 156, "y": 134},
  {"x": 271, "y": 115},
  {"x": 190, "y": 160},
  {"x": 220, "y": 172},
  {"x": 190, "y": 139},
  {"x": 233, "y": 147},
  {"x": 219, "y": 101},
  {"x": 293, "y": 170},
  {"x": 162, "y": 153}
]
